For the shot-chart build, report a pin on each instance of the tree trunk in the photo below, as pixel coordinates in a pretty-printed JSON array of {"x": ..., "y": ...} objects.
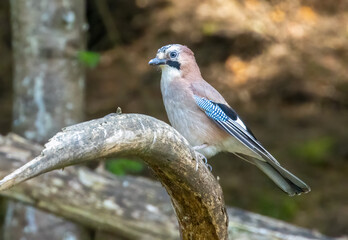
[
  {"x": 48, "y": 94},
  {"x": 48, "y": 78}
]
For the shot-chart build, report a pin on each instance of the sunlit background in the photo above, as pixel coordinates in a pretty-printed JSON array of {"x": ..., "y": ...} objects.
[{"x": 282, "y": 65}]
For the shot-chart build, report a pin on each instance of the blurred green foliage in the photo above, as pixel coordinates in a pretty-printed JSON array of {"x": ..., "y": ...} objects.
[
  {"x": 284, "y": 208},
  {"x": 316, "y": 151},
  {"x": 121, "y": 167},
  {"x": 90, "y": 59},
  {"x": 209, "y": 28}
]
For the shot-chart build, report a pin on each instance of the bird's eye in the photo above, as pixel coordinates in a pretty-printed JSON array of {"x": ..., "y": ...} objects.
[{"x": 173, "y": 54}]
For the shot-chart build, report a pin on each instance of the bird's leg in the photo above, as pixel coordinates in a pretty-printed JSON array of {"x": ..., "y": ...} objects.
[
  {"x": 201, "y": 156},
  {"x": 199, "y": 147},
  {"x": 196, "y": 148}
]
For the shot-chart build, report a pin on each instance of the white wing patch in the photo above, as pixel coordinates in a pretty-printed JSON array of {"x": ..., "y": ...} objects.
[{"x": 240, "y": 122}]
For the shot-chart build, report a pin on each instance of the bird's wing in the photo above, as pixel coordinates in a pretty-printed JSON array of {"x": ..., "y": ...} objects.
[{"x": 228, "y": 119}]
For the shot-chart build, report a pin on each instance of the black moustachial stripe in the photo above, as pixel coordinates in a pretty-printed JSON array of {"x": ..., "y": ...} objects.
[{"x": 174, "y": 64}]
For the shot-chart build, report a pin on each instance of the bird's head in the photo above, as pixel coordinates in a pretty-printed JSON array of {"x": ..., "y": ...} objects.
[{"x": 175, "y": 58}]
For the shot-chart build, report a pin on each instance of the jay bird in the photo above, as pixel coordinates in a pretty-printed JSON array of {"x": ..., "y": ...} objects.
[{"x": 199, "y": 112}]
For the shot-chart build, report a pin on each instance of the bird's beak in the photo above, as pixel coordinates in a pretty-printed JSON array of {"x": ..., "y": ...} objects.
[{"x": 157, "y": 61}]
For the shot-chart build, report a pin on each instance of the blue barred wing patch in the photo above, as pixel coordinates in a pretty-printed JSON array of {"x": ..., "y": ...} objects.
[
  {"x": 236, "y": 127},
  {"x": 211, "y": 109}
]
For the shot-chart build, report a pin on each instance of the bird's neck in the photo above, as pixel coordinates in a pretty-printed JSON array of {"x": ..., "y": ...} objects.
[
  {"x": 190, "y": 72},
  {"x": 186, "y": 75},
  {"x": 170, "y": 73}
]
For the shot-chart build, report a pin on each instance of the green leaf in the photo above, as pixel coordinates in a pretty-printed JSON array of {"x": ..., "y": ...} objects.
[
  {"x": 90, "y": 59},
  {"x": 121, "y": 167}
]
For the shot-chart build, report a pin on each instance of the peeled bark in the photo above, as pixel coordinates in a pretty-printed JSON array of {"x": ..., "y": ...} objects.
[{"x": 131, "y": 207}]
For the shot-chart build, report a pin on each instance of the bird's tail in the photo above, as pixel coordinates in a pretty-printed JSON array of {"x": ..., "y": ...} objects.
[{"x": 288, "y": 182}]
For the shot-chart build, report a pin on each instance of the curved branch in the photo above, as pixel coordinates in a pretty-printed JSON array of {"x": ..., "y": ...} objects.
[
  {"x": 127, "y": 206},
  {"x": 196, "y": 195}
]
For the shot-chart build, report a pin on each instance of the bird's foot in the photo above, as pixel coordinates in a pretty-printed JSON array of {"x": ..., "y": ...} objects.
[{"x": 204, "y": 159}]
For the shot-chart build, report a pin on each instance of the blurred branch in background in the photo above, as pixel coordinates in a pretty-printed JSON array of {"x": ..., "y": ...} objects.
[{"x": 109, "y": 23}]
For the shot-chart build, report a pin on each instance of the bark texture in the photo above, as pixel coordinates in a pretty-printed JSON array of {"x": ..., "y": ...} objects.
[
  {"x": 131, "y": 207},
  {"x": 48, "y": 93},
  {"x": 195, "y": 193},
  {"x": 48, "y": 78}
]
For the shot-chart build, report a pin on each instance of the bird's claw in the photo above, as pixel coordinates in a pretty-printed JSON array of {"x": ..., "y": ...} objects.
[
  {"x": 204, "y": 159},
  {"x": 210, "y": 168}
]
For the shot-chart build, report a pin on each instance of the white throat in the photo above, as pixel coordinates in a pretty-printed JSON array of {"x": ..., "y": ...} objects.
[{"x": 168, "y": 75}]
